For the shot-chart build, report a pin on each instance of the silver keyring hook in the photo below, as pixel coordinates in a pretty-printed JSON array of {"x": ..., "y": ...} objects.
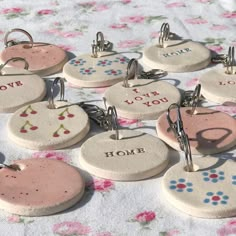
[
  {"x": 112, "y": 117},
  {"x": 164, "y": 33},
  {"x": 62, "y": 92},
  {"x": 14, "y": 59},
  {"x": 6, "y": 42},
  {"x": 230, "y": 61},
  {"x": 131, "y": 72}
]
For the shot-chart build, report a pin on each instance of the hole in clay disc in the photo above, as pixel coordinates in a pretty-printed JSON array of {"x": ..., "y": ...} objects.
[
  {"x": 113, "y": 136},
  {"x": 195, "y": 168}
]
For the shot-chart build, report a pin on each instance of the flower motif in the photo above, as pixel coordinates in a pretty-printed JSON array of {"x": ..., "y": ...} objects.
[
  {"x": 46, "y": 12},
  {"x": 219, "y": 27},
  {"x": 181, "y": 185},
  {"x": 118, "y": 26},
  {"x": 133, "y": 19},
  {"x": 113, "y": 72},
  {"x": 175, "y": 4},
  {"x": 51, "y": 155},
  {"x": 87, "y": 71},
  {"x": 216, "y": 48},
  {"x": 103, "y": 185},
  {"x": 231, "y": 110},
  {"x": 230, "y": 15},
  {"x": 145, "y": 217},
  {"x": 14, "y": 219},
  {"x": 77, "y": 62},
  {"x": 228, "y": 229},
  {"x": 122, "y": 60},
  {"x": 12, "y": 10},
  {"x": 66, "y": 47},
  {"x": 196, "y": 21},
  {"x": 71, "y": 228},
  {"x": 216, "y": 198},
  {"x": 104, "y": 63},
  {"x": 154, "y": 35},
  {"x": 213, "y": 176},
  {"x": 192, "y": 83},
  {"x": 130, "y": 43}
]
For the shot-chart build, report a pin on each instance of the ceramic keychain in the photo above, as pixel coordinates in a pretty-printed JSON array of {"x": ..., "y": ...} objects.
[
  {"x": 125, "y": 155},
  {"x": 43, "y": 58},
  {"x": 209, "y": 131},
  {"x": 49, "y": 125},
  {"x": 37, "y": 187},
  {"x": 141, "y": 98},
  {"x": 218, "y": 85},
  {"x": 19, "y": 87},
  {"x": 176, "y": 55},
  {"x": 102, "y": 68},
  {"x": 205, "y": 188}
]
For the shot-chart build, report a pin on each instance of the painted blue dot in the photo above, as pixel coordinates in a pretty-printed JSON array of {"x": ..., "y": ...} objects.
[
  {"x": 234, "y": 182},
  {"x": 234, "y": 177},
  {"x": 189, "y": 184},
  {"x": 206, "y": 179},
  {"x": 223, "y": 202},
  {"x": 205, "y": 174},
  {"x": 214, "y": 180},
  {"x": 215, "y": 203},
  {"x": 189, "y": 190},
  {"x": 225, "y": 197},
  {"x": 221, "y": 178},
  {"x": 219, "y": 193},
  {"x": 221, "y": 173},
  {"x": 179, "y": 190},
  {"x": 173, "y": 182},
  {"x": 181, "y": 180},
  {"x": 210, "y": 194},
  {"x": 213, "y": 171},
  {"x": 207, "y": 200},
  {"x": 172, "y": 187}
]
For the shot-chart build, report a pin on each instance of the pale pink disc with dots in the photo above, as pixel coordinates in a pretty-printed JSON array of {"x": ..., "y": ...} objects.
[
  {"x": 37, "y": 127},
  {"x": 209, "y": 131},
  {"x": 44, "y": 59},
  {"x": 40, "y": 187}
]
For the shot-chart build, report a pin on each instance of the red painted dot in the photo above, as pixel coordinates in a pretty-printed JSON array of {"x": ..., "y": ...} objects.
[
  {"x": 87, "y": 70},
  {"x": 181, "y": 186},
  {"x": 113, "y": 72},
  {"x": 215, "y": 198},
  {"x": 213, "y": 176},
  {"x": 122, "y": 59},
  {"x": 77, "y": 62},
  {"x": 103, "y": 62}
]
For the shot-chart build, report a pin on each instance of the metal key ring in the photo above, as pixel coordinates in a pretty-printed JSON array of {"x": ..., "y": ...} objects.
[{"x": 131, "y": 72}]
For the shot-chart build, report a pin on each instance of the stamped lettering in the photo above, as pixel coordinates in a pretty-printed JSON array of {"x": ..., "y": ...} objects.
[
  {"x": 176, "y": 53},
  {"x": 125, "y": 152},
  {"x": 229, "y": 82},
  {"x": 10, "y": 85}
]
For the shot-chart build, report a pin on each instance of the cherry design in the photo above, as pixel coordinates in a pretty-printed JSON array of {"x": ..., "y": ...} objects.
[
  {"x": 27, "y": 111},
  {"x": 61, "y": 116},
  {"x": 28, "y": 127},
  {"x": 64, "y": 131}
]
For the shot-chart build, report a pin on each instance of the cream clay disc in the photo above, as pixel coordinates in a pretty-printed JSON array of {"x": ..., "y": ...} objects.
[
  {"x": 134, "y": 156},
  {"x": 219, "y": 87},
  {"x": 37, "y": 127},
  {"x": 177, "y": 56},
  {"x": 143, "y": 99},
  {"x": 87, "y": 71},
  {"x": 19, "y": 87},
  {"x": 208, "y": 192},
  {"x": 44, "y": 59},
  {"x": 40, "y": 187},
  {"x": 209, "y": 131}
]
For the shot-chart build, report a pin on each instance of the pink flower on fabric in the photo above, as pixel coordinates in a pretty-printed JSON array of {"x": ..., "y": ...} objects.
[
  {"x": 192, "y": 83},
  {"x": 219, "y": 27},
  {"x": 145, "y": 217},
  {"x": 12, "y": 10},
  {"x": 66, "y": 47},
  {"x": 71, "y": 228},
  {"x": 175, "y": 4},
  {"x": 231, "y": 110},
  {"x": 51, "y": 155},
  {"x": 14, "y": 219},
  {"x": 154, "y": 35},
  {"x": 130, "y": 43},
  {"x": 87, "y": 4},
  {"x": 230, "y": 15},
  {"x": 100, "y": 90},
  {"x": 172, "y": 232},
  {"x": 119, "y": 26},
  {"x": 126, "y": 1},
  {"x": 133, "y": 19},
  {"x": 45, "y": 12},
  {"x": 204, "y": 1},
  {"x": 101, "y": 7},
  {"x": 103, "y": 185},
  {"x": 126, "y": 122},
  {"x": 216, "y": 48},
  {"x": 103, "y": 234},
  {"x": 70, "y": 34},
  {"x": 228, "y": 229},
  {"x": 196, "y": 21}
]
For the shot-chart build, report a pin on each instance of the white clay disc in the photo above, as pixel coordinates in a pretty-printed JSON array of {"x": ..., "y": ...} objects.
[
  {"x": 19, "y": 87},
  {"x": 177, "y": 56},
  {"x": 44, "y": 59},
  {"x": 134, "y": 156},
  {"x": 37, "y": 127},
  {"x": 144, "y": 99},
  {"x": 217, "y": 86},
  {"x": 87, "y": 71},
  {"x": 208, "y": 192},
  {"x": 209, "y": 131},
  {"x": 41, "y": 187}
]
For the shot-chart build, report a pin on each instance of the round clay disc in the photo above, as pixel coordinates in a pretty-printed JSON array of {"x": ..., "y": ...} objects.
[
  {"x": 143, "y": 99},
  {"x": 217, "y": 86},
  {"x": 19, "y": 87},
  {"x": 209, "y": 131},
  {"x": 41, "y": 187},
  {"x": 134, "y": 156},
  {"x": 37, "y": 127},
  {"x": 208, "y": 192},
  {"x": 177, "y": 56},
  {"x": 44, "y": 59},
  {"x": 87, "y": 71}
]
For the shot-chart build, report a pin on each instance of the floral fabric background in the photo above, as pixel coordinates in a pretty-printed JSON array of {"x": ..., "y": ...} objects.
[{"x": 129, "y": 25}]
